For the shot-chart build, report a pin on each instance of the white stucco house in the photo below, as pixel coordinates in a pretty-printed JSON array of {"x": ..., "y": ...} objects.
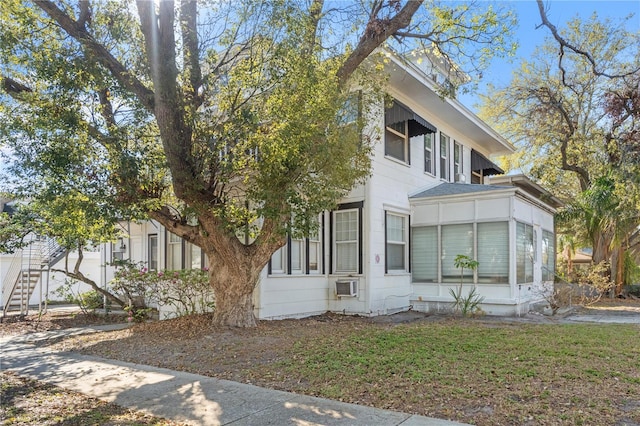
[{"x": 389, "y": 246}]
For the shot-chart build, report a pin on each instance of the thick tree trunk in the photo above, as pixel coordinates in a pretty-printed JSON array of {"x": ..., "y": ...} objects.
[{"x": 233, "y": 281}]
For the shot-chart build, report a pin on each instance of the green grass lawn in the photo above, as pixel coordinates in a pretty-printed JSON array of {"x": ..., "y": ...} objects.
[{"x": 478, "y": 372}]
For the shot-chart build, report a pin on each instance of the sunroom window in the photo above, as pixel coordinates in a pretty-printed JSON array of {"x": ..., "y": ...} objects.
[
  {"x": 524, "y": 253},
  {"x": 424, "y": 254},
  {"x": 493, "y": 252},
  {"x": 456, "y": 240},
  {"x": 548, "y": 256}
]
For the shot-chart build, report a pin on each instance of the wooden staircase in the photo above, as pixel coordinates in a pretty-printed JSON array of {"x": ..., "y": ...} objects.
[{"x": 26, "y": 271}]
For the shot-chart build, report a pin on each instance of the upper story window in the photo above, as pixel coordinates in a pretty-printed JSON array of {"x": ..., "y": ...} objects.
[
  {"x": 457, "y": 159},
  {"x": 444, "y": 156},
  {"x": 429, "y": 153},
  {"x": 396, "y": 141},
  {"x": 401, "y": 124}
]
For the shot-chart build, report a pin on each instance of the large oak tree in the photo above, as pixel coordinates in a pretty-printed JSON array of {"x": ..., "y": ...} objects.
[
  {"x": 572, "y": 109},
  {"x": 229, "y": 122}
]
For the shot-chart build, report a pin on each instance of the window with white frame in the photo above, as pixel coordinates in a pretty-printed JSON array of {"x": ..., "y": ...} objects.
[
  {"x": 429, "y": 153},
  {"x": 396, "y": 141},
  {"x": 524, "y": 253},
  {"x": 493, "y": 252},
  {"x": 299, "y": 255},
  {"x": 424, "y": 254},
  {"x": 346, "y": 241},
  {"x": 314, "y": 250},
  {"x": 296, "y": 255},
  {"x": 396, "y": 242},
  {"x": 548, "y": 256},
  {"x": 180, "y": 254},
  {"x": 444, "y": 156},
  {"x": 152, "y": 260},
  {"x": 278, "y": 263},
  {"x": 457, "y": 159},
  {"x": 174, "y": 252}
]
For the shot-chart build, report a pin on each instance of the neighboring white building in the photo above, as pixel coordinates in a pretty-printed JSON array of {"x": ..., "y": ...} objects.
[
  {"x": 27, "y": 278},
  {"x": 389, "y": 246}
]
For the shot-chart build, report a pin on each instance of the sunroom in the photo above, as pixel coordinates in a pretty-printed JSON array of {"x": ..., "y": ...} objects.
[{"x": 507, "y": 228}]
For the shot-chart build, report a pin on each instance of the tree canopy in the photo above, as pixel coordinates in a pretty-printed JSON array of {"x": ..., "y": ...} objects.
[
  {"x": 232, "y": 123},
  {"x": 572, "y": 110}
]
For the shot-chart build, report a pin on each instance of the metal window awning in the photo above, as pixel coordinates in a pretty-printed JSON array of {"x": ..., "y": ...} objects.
[
  {"x": 481, "y": 163},
  {"x": 399, "y": 113}
]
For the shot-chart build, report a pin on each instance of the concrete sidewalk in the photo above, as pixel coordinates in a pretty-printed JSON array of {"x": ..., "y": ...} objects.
[{"x": 184, "y": 397}]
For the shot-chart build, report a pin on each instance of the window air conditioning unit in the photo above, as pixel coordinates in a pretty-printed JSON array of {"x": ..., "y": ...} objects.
[
  {"x": 460, "y": 177},
  {"x": 346, "y": 288}
]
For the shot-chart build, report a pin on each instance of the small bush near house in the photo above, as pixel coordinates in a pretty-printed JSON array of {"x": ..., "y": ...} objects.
[
  {"x": 590, "y": 285},
  {"x": 87, "y": 301},
  {"x": 186, "y": 291}
]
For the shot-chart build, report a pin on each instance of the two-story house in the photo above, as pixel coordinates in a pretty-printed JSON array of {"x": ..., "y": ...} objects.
[{"x": 390, "y": 245}]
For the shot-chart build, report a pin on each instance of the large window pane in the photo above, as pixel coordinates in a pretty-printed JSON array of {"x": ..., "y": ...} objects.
[
  {"x": 346, "y": 241},
  {"x": 493, "y": 252},
  {"x": 424, "y": 254},
  {"x": 524, "y": 253},
  {"x": 456, "y": 239}
]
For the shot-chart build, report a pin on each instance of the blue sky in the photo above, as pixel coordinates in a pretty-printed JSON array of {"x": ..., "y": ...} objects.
[{"x": 559, "y": 13}]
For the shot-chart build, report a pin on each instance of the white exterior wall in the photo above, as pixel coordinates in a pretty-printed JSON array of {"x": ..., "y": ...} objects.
[{"x": 90, "y": 267}]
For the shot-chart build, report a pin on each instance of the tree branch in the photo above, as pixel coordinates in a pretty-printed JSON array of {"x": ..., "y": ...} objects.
[
  {"x": 99, "y": 53},
  {"x": 76, "y": 274},
  {"x": 175, "y": 224},
  {"x": 191, "y": 51},
  {"x": 375, "y": 33},
  {"x": 12, "y": 87},
  {"x": 565, "y": 44}
]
